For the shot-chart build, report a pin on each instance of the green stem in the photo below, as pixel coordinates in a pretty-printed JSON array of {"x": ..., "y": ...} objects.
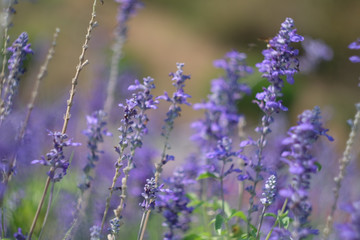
[
  {"x": 261, "y": 221},
  {"x": 277, "y": 221},
  {"x": 48, "y": 180},
  {"x": 47, "y": 209}
]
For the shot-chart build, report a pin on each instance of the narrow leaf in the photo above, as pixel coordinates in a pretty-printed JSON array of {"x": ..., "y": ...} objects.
[{"x": 206, "y": 175}]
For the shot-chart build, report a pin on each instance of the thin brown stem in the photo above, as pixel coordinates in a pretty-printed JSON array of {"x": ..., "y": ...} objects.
[
  {"x": 47, "y": 184},
  {"x": 79, "y": 67},
  {"x": 344, "y": 162}
]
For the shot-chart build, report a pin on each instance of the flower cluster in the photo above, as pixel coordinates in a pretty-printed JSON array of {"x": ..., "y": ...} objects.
[
  {"x": 56, "y": 158},
  {"x": 95, "y": 132},
  {"x": 302, "y": 164},
  {"x": 135, "y": 119},
  {"x": 269, "y": 192},
  {"x": 351, "y": 230},
  {"x": 221, "y": 112},
  {"x": 178, "y": 98},
  {"x": 19, "y": 50},
  {"x": 223, "y": 152},
  {"x": 280, "y": 58},
  {"x": 19, "y": 235},
  {"x": 174, "y": 205},
  {"x": 95, "y": 233},
  {"x": 150, "y": 194}
]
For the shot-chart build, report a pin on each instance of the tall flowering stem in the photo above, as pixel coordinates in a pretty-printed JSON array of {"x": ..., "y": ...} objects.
[
  {"x": 346, "y": 157},
  {"x": 224, "y": 153},
  {"x": 19, "y": 50},
  {"x": 280, "y": 60},
  {"x": 131, "y": 133},
  {"x": 95, "y": 132},
  {"x": 178, "y": 98},
  {"x": 126, "y": 9},
  {"x": 221, "y": 112},
  {"x": 41, "y": 75},
  {"x": 79, "y": 67},
  {"x": 302, "y": 165}
]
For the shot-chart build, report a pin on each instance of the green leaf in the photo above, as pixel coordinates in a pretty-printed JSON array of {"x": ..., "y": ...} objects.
[
  {"x": 206, "y": 175},
  {"x": 192, "y": 236},
  {"x": 285, "y": 222},
  {"x": 239, "y": 214},
  {"x": 270, "y": 215},
  {"x": 227, "y": 209},
  {"x": 219, "y": 219},
  {"x": 319, "y": 166}
]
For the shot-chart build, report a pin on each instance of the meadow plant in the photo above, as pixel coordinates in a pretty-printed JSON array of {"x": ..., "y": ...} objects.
[{"x": 230, "y": 187}]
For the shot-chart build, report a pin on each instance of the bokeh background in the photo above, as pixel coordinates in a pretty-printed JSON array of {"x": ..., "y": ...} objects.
[{"x": 195, "y": 32}]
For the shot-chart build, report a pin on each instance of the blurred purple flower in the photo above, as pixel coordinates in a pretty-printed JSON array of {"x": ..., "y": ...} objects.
[
  {"x": 19, "y": 236},
  {"x": 221, "y": 112},
  {"x": 95, "y": 132},
  {"x": 302, "y": 164},
  {"x": 350, "y": 230},
  {"x": 316, "y": 51},
  {"x": 19, "y": 50},
  {"x": 174, "y": 205},
  {"x": 356, "y": 46}
]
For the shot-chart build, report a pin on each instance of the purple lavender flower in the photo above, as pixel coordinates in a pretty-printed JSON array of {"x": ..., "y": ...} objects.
[
  {"x": 150, "y": 194},
  {"x": 280, "y": 58},
  {"x": 174, "y": 205},
  {"x": 95, "y": 132},
  {"x": 95, "y": 233},
  {"x": 350, "y": 230},
  {"x": 223, "y": 152},
  {"x": 135, "y": 119},
  {"x": 269, "y": 191},
  {"x": 56, "y": 158},
  {"x": 301, "y": 165},
  {"x": 178, "y": 97},
  {"x": 19, "y": 236},
  {"x": 221, "y": 112},
  {"x": 19, "y": 50},
  {"x": 355, "y": 45}
]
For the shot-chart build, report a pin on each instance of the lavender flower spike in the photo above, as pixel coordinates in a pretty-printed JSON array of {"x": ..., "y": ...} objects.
[
  {"x": 280, "y": 58},
  {"x": 301, "y": 165},
  {"x": 56, "y": 158},
  {"x": 19, "y": 50},
  {"x": 174, "y": 205},
  {"x": 95, "y": 132}
]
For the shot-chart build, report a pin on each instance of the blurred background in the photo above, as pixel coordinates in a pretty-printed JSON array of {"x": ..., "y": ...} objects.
[
  {"x": 164, "y": 32},
  {"x": 196, "y": 33}
]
